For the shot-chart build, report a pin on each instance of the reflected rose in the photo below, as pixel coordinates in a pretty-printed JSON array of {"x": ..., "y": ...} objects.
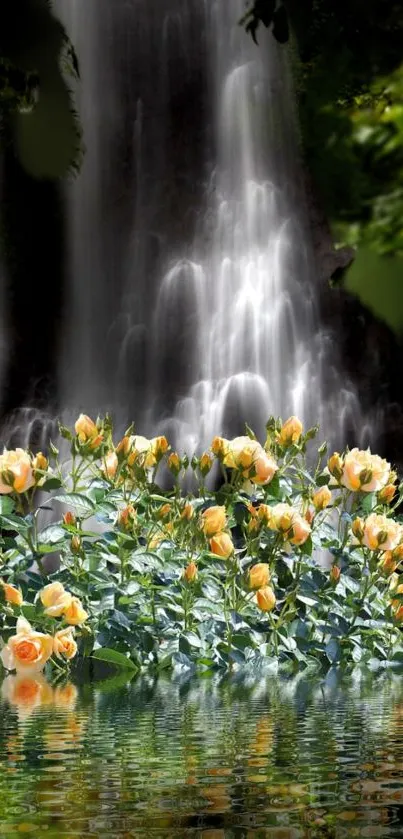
[
  {"x": 26, "y": 693},
  {"x": 65, "y": 697}
]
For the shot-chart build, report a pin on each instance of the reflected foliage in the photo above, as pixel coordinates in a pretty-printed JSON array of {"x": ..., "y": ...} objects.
[{"x": 222, "y": 758}]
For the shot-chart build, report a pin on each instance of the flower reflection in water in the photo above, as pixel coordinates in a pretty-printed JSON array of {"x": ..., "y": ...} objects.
[{"x": 189, "y": 758}]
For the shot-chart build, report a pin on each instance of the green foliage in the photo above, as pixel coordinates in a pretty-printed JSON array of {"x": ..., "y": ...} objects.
[{"x": 232, "y": 578}]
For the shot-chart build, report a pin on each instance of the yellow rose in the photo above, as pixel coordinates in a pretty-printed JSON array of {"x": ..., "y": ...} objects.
[
  {"x": 266, "y": 599},
  {"x": 75, "y": 613},
  {"x": 40, "y": 462},
  {"x": 301, "y": 530},
  {"x": 110, "y": 466},
  {"x": 290, "y": 432},
  {"x": 124, "y": 447},
  {"x": 248, "y": 456},
  {"x": 221, "y": 545},
  {"x": 205, "y": 464},
  {"x": 12, "y": 594},
  {"x": 322, "y": 498},
  {"x": 159, "y": 446},
  {"x": 213, "y": 520},
  {"x": 15, "y": 471},
  {"x": 264, "y": 469},
  {"x": 64, "y": 645},
  {"x": 284, "y": 519},
  {"x": 55, "y": 599},
  {"x": 364, "y": 471},
  {"x": 381, "y": 533},
  {"x": 85, "y": 428},
  {"x": 75, "y": 544},
  {"x": 27, "y": 693},
  {"x": 219, "y": 447},
  {"x": 141, "y": 449},
  {"x": 174, "y": 463},
  {"x": 190, "y": 572},
  {"x": 259, "y": 575},
  {"x": 27, "y": 650},
  {"x": 335, "y": 465}
]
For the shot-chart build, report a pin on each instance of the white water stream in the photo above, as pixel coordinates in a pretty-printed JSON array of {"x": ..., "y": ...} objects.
[{"x": 193, "y": 299}]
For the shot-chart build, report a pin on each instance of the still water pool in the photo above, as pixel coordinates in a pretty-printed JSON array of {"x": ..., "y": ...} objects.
[{"x": 202, "y": 758}]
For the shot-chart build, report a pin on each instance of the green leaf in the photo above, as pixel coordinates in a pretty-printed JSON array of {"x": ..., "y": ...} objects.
[
  {"x": 52, "y": 534},
  {"x": 6, "y": 504},
  {"x": 332, "y": 650},
  {"x": 82, "y": 506},
  {"x": 51, "y": 483},
  {"x": 113, "y": 657}
]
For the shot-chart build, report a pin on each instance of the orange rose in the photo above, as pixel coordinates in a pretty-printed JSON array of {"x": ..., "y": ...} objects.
[
  {"x": 291, "y": 432},
  {"x": 266, "y": 599},
  {"x": 259, "y": 575},
  {"x": 75, "y": 612},
  {"x": 16, "y": 474},
  {"x": 127, "y": 517},
  {"x": 27, "y": 650},
  {"x": 12, "y": 594},
  {"x": 386, "y": 495},
  {"x": 221, "y": 545},
  {"x": 190, "y": 572},
  {"x": 335, "y": 573},
  {"x": 187, "y": 512},
  {"x": 64, "y": 645},
  {"x": 213, "y": 520},
  {"x": 69, "y": 518},
  {"x": 388, "y": 563}
]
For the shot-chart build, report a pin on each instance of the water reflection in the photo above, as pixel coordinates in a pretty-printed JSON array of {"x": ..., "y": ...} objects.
[{"x": 209, "y": 758}]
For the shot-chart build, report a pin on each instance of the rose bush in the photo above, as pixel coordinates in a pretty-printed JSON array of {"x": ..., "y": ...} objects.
[{"x": 279, "y": 565}]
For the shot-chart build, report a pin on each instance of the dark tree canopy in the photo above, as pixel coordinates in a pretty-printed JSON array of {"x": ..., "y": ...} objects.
[
  {"x": 348, "y": 61},
  {"x": 36, "y": 108}
]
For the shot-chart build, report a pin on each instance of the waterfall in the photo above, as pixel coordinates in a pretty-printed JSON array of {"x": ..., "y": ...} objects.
[{"x": 192, "y": 302}]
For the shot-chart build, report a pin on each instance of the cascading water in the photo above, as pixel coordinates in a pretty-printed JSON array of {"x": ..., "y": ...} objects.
[{"x": 193, "y": 303}]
